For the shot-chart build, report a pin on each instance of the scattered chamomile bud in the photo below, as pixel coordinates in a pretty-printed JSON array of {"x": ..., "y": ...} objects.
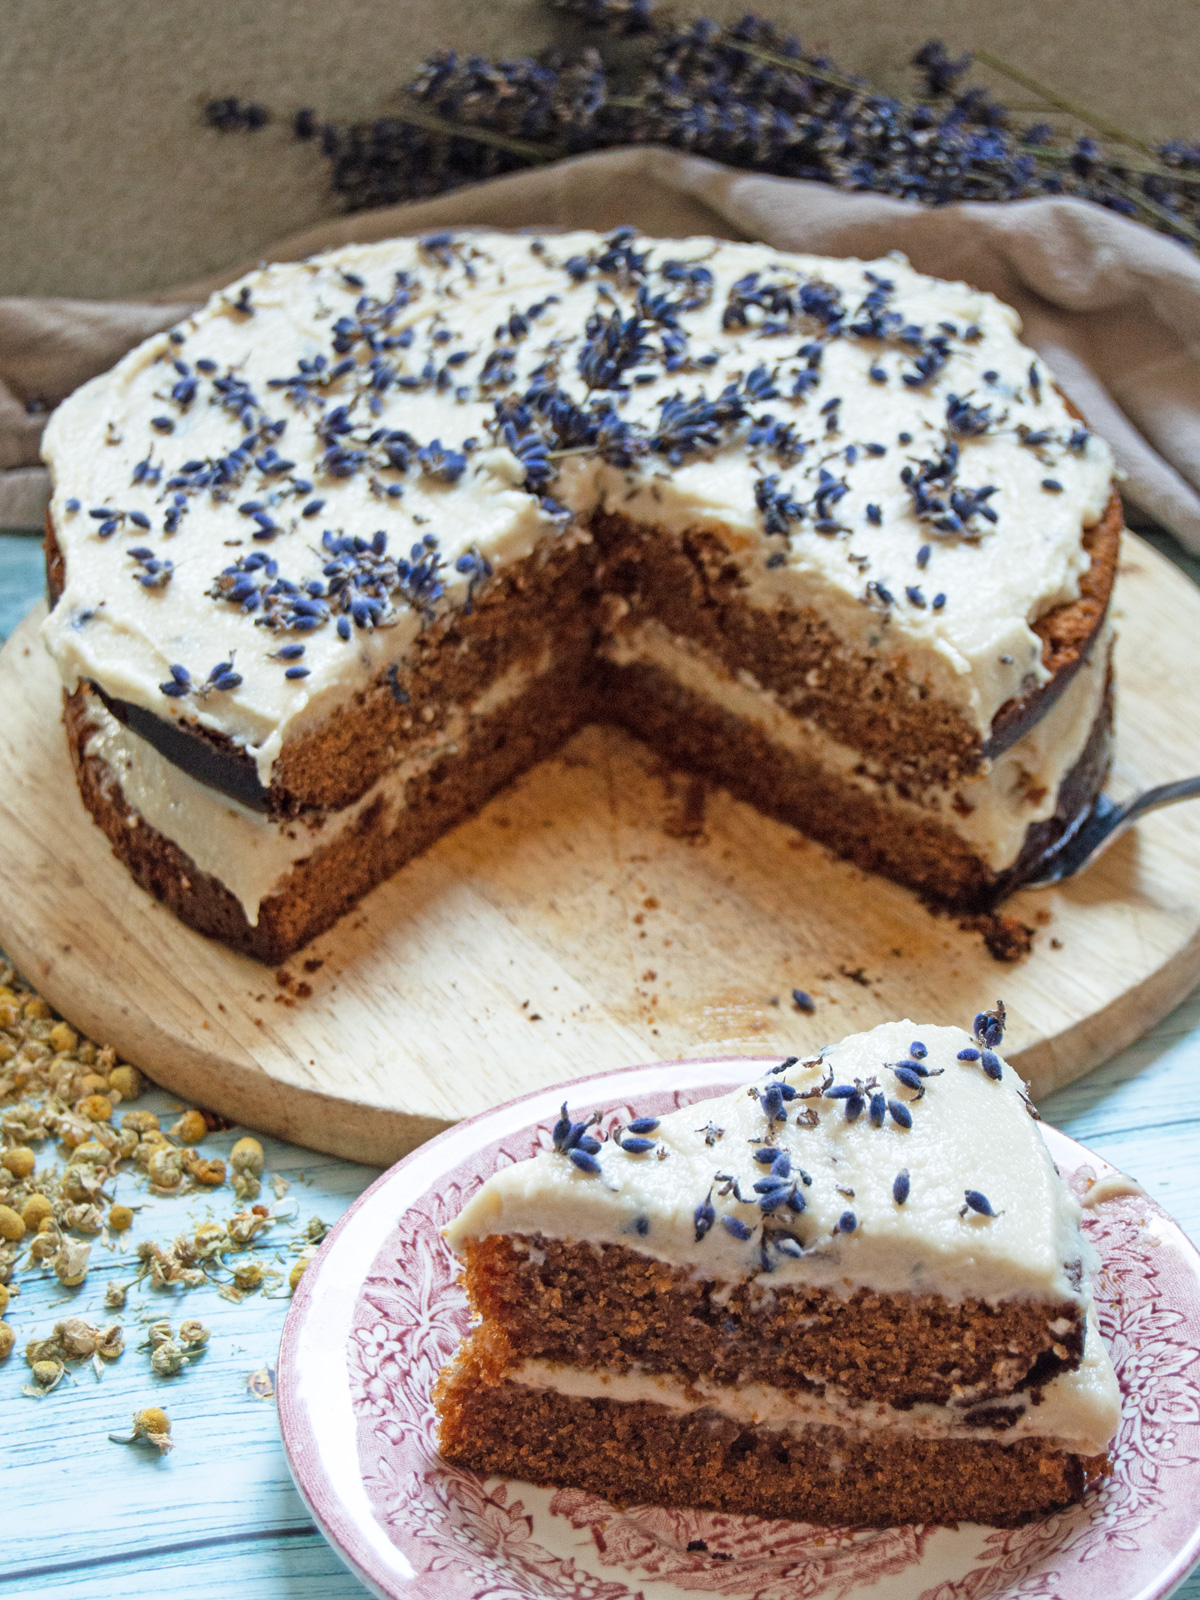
[
  {"x": 36, "y": 1010},
  {"x": 153, "y": 1425},
  {"x": 83, "y": 1218},
  {"x": 95, "y": 1107},
  {"x": 127, "y": 1081},
  {"x": 158, "y": 1333},
  {"x": 46, "y": 1373},
  {"x": 249, "y": 1275},
  {"x": 111, "y": 1342},
  {"x": 141, "y": 1122},
  {"x": 297, "y": 1273},
  {"x": 114, "y": 1296},
  {"x": 120, "y": 1218},
  {"x": 208, "y": 1239},
  {"x": 165, "y": 1167},
  {"x": 202, "y": 1170},
  {"x": 191, "y": 1127},
  {"x": 62, "y": 1038},
  {"x": 7, "y": 1339},
  {"x": 149, "y": 1142},
  {"x": 193, "y": 1335},
  {"x": 71, "y": 1263},
  {"x": 90, "y": 1153},
  {"x": 5, "y": 1297},
  {"x": 246, "y": 1186},
  {"x": 44, "y": 1246},
  {"x": 12, "y": 1224},
  {"x": 246, "y": 1158},
  {"x": 76, "y": 1338},
  {"x": 36, "y": 1210},
  {"x": 20, "y": 1160},
  {"x": 127, "y": 1143},
  {"x": 93, "y": 1083},
  {"x": 168, "y": 1359}
]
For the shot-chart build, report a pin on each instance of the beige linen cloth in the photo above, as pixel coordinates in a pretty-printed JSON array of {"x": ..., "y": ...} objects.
[{"x": 1112, "y": 307}]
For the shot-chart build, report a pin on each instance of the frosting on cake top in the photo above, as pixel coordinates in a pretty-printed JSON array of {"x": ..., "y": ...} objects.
[
  {"x": 261, "y": 508},
  {"x": 905, "y": 1159}
]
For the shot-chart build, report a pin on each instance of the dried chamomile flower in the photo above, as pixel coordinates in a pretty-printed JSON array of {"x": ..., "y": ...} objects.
[
  {"x": 167, "y": 1359},
  {"x": 82, "y": 1185},
  {"x": 247, "y": 1157},
  {"x": 165, "y": 1168},
  {"x": 91, "y": 1152},
  {"x": 315, "y": 1230},
  {"x": 297, "y": 1273},
  {"x": 141, "y": 1122},
  {"x": 95, "y": 1107},
  {"x": 93, "y": 1083},
  {"x": 193, "y": 1335},
  {"x": 119, "y": 1218},
  {"x": 242, "y": 1228},
  {"x": 12, "y": 1224},
  {"x": 111, "y": 1342},
  {"x": 20, "y": 1160},
  {"x": 127, "y": 1081},
  {"x": 150, "y": 1426},
  {"x": 76, "y": 1338},
  {"x": 45, "y": 1245},
  {"x": 127, "y": 1143},
  {"x": 42, "y": 1350},
  {"x": 62, "y": 1038},
  {"x": 191, "y": 1127},
  {"x": 202, "y": 1170},
  {"x": 47, "y": 1374},
  {"x": 5, "y": 1296},
  {"x": 249, "y": 1275},
  {"x": 208, "y": 1240},
  {"x": 71, "y": 1263},
  {"x": 158, "y": 1333},
  {"x": 7, "y": 1340},
  {"x": 83, "y": 1219},
  {"x": 246, "y": 1186},
  {"x": 114, "y": 1297}
]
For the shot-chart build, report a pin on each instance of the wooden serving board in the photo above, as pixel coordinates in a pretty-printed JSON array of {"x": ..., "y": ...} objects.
[{"x": 600, "y": 912}]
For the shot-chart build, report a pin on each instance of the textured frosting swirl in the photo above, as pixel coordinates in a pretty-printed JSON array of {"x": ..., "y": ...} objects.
[
  {"x": 260, "y": 509},
  {"x": 817, "y": 1196}
]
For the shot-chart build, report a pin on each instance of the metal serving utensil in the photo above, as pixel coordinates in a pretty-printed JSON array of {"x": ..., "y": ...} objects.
[{"x": 1091, "y": 834}]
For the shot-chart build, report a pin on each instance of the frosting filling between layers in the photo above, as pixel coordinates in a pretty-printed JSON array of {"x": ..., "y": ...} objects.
[
  {"x": 251, "y": 853},
  {"x": 1076, "y": 1411},
  {"x": 991, "y": 810}
]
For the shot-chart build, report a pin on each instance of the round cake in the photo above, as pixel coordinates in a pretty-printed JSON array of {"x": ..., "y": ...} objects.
[{"x": 341, "y": 554}]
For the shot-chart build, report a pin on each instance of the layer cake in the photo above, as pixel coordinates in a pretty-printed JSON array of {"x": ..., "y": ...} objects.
[
  {"x": 368, "y": 535},
  {"x": 853, "y": 1292}
]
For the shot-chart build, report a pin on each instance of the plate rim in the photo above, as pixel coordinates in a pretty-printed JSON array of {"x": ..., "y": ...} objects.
[{"x": 342, "y": 1528}]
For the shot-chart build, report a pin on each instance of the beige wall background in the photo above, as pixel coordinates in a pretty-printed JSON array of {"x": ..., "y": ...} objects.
[{"x": 110, "y": 185}]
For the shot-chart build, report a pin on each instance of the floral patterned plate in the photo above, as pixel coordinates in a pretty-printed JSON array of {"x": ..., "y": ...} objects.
[{"x": 378, "y": 1313}]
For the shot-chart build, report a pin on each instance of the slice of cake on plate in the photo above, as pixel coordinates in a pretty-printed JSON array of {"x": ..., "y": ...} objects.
[
  {"x": 853, "y": 1292},
  {"x": 366, "y": 536}
]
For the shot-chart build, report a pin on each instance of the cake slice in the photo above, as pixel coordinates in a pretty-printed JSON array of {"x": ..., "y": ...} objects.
[{"x": 853, "y": 1292}]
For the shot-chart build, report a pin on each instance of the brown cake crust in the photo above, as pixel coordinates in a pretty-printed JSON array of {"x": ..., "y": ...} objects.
[
  {"x": 634, "y": 1453},
  {"x": 606, "y": 1306}
]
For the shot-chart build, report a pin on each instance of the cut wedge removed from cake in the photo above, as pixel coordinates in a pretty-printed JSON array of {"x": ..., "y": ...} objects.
[{"x": 854, "y": 1291}]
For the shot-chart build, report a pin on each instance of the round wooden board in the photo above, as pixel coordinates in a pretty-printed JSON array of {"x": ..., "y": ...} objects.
[{"x": 580, "y": 922}]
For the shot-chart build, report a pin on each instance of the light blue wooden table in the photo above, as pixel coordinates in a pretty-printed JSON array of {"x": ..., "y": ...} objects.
[{"x": 83, "y": 1519}]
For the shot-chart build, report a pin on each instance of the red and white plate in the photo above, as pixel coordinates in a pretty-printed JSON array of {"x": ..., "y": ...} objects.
[{"x": 378, "y": 1314}]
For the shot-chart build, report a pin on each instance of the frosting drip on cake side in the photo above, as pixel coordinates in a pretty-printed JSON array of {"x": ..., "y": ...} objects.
[
  {"x": 831, "y": 1209},
  {"x": 866, "y": 441}
]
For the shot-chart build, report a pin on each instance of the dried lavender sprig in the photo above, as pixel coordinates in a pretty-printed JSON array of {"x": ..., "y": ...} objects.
[{"x": 1073, "y": 108}]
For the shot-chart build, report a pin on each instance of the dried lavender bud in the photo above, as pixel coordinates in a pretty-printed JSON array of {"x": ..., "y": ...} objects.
[{"x": 900, "y": 1186}]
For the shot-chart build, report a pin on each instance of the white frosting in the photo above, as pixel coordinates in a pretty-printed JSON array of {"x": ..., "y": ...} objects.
[
  {"x": 1079, "y": 1411},
  {"x": 992, "y": 810},
  {"x": 977, "y": 651},
  {"x": 969, "y": 1132},
  {"x": 250, "y": 853}
]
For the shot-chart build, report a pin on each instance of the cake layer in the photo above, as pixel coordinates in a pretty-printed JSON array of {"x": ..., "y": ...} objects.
[
  {"x": 609, "y": 1306},
  {"x": 293, "y": 878},
  {"x": 640, "y": 1451}
]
